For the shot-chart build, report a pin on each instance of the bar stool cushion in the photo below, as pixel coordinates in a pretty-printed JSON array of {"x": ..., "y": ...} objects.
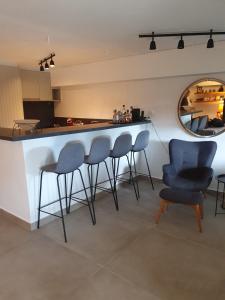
[
  {"x": 181, "y": 196},
  {"x": 142, "y": 141},
  {"x": 122, "y": 146}
]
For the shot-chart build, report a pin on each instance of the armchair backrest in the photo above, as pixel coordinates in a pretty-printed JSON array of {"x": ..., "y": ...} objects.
[{"x": 185, "y": 155}]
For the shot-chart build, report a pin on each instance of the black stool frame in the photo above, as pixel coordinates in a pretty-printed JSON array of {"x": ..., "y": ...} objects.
[
  {"x": 94, "y": 186},
  {"x": 67, "y": 200},
  {"x": 217, "y": 198},
  {"x": 132, "y": 158},
  {"x": 116, "y": 176}
]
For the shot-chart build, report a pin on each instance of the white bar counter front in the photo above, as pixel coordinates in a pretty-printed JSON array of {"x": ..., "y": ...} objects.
[{"x": 22, "y": 156}]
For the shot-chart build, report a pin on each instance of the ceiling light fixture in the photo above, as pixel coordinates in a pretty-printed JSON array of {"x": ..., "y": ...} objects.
[
  {"x": 180, "y": 43},
  {"x": 45, "y": 62},
  {"x": 210, "y": 43},
  {"x": 52, "y": 64},
  {"x": 41, "y": 68},
  {"x": 46, "y": 65},
  {"x": 152, "y": 44}
]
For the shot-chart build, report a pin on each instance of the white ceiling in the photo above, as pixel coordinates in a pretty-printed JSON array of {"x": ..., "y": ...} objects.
[{"x": 83, "y": 31}]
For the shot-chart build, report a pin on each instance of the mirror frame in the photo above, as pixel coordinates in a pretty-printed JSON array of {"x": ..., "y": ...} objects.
[{"x": 181, "y": 98}]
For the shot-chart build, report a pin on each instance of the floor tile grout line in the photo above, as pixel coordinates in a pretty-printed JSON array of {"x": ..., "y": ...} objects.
[
  {"x": 107, "y": 268},
  {"x": 131, "y": 242},
  {"x": 72, "y": 250},
  {"x": 189, "y": 240}
]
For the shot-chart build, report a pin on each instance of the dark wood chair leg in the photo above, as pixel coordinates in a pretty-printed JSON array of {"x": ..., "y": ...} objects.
[
  {"x": 201, "y": 210},
  {"x": 161, "y": 210},
  {"x": 198, "y": 216}
]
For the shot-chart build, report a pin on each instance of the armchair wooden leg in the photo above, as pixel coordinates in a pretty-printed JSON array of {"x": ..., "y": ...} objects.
[
  {"x": 163, "y": 205},
  {"x": 201, "y": 210},
  {"x": 198, "y": 216}
]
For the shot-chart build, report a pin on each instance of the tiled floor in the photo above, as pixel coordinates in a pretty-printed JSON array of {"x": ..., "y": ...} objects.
[{"x": 125, "y": 256}]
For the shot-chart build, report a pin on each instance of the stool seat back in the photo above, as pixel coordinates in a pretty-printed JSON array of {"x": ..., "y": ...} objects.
[
  {"x": 99, "y": 151},
  {"x": 122, "y": 145},
  {"x": 70, "y": 158},
  {"x": 142, "y": 141}
]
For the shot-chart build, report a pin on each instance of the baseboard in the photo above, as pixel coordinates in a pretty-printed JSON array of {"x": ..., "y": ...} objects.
[{"x": 18, "y": 221}]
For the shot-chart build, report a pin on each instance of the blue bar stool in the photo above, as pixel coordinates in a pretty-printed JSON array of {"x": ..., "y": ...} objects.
[
  {"x": 121, "y": 148},
  {"x": 70, "y": 159},
  {"x": 100, "y": 149},
  {"x": 141, "y": 142}
]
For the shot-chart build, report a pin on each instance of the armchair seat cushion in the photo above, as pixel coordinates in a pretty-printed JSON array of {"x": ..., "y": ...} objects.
[
  {"x": 194, "y": 179},
  {"x": 182, "y": 196}
]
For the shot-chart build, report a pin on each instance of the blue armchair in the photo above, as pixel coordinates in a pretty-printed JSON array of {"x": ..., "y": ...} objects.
[{"x": 190, "y": 165}]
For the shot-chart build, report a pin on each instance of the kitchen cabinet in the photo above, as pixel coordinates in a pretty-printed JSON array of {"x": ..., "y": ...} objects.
[{"x": 36, "y": 85}]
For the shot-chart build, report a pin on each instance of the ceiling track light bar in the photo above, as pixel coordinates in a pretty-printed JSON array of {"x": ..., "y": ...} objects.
[
  {"x": 155, "y": 35},
  {"x": 47, "y": 58}
]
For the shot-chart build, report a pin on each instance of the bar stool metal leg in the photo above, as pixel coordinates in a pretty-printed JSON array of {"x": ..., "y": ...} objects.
[
  {"x": 61, "y": 209},
  {"x": 39, "y": 204},
  {"x": 96, "y": 182},
  {"x": 131, "y": 166},
  {"x": 217, "y": 197},
  {"x": 132, "y": 179},
  {"x": 114, "y": 175},
  {"x": 90, "y": 178},
  {"x": 91, "y": 209},
  {"x": 135, "y": 172},
  {"x": 149, "y": 173},
  {"x": 222, "y": 205},
  {"x": 66, "y": 197},
  {"x": 117, "y": 169},
  {"x": 71, "y": 189},
  {"x": 113, "y": 192}
]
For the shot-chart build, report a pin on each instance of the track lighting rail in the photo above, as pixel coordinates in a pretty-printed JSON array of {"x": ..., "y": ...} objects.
[
  {"x": 153, "y": 35},
  {"x": 198, "y": 33},
  {"x": 46, "y": 58}
]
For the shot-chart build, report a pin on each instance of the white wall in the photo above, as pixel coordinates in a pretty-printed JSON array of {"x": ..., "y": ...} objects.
[
  {"x": 13, "y": 189},
  {"x": 11, "y": 106}
]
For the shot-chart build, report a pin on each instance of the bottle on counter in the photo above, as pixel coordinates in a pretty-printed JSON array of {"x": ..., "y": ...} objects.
[
  {"x": 123, "y": 109},
  {"x": 115, "y": 116}
]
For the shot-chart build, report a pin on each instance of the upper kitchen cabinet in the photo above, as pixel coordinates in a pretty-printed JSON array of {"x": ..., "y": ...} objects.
[{"x": 36, "y": 85}]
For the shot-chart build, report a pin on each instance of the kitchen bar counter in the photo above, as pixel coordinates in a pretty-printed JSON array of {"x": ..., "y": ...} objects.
[
  {"x": 22, "y": 157},
  {"x": 17, "y": 135}
]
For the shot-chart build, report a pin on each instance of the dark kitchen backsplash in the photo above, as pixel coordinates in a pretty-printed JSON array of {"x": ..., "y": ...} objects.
[{"x": 40, "y": 110}]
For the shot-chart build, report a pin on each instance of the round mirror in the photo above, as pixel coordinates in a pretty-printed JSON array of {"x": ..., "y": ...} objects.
[{"x": 201, "y": 108}]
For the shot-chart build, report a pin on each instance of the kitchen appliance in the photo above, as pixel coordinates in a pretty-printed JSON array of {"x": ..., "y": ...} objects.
[
  {"x": 41, "y": 110},
  {"x": 136, "y": 114}
]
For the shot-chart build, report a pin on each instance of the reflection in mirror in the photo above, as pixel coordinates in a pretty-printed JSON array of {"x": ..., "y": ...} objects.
[{"x": 201, "y": 107}]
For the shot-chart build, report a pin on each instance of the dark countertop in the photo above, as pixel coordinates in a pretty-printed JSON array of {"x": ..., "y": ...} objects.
[{"x": 16, "y": 135}]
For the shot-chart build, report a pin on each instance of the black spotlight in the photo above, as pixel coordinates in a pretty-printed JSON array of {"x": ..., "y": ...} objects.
[
  {"x": 210, "y": 43},
  {"x": 46, "y": 65},
  {"x": 180, "y": 43},
  {"x": 52, "y": 64},
  {"x": 41, "y": 68},
  {"x": 152, "y": 44}
]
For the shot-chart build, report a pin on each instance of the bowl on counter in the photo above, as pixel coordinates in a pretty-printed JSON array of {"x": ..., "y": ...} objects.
[{"x": 27, "y": 124}]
